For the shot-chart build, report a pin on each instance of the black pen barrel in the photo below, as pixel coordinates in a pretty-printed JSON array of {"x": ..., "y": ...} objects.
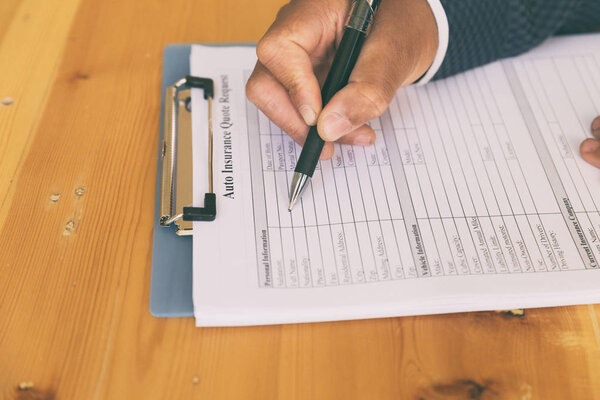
[{"x": 337, "y": 78}]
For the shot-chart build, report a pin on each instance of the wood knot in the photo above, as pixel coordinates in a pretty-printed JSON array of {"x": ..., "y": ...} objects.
[
  {"x": 459, "y": 390},
  {"x": 517, "y": 312},
  {"x": 76, "y": 77},
  {"x": 25, "y": 385},
  {"x": 79, "y": 191},
  {"x": 27, "y": 391},
  {"x": 69, "y": 227}
]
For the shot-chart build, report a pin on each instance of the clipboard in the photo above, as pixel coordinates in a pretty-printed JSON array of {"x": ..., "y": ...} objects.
[{"x": 171, "y": 281}]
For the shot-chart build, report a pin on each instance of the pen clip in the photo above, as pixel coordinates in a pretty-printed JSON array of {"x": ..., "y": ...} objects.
[{"x": 361, "y": 15}]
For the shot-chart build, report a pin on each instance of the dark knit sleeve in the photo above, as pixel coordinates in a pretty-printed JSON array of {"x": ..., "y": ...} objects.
[{"x": 482, "y": 31}]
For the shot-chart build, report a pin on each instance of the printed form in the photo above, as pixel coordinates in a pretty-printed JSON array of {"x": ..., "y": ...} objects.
[{"x": 473, "y": 197}]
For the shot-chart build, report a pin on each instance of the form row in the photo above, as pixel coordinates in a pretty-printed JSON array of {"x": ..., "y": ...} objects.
[{"x": 340, "y": 254}]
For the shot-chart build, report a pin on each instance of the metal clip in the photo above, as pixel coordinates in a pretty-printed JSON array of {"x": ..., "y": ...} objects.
[
  {"x": 176, "y": 155},
  {"x": 361, "y": 15}
]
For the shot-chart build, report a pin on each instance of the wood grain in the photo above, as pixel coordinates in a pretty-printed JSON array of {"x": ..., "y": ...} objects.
[
  {"x": 33, "y": 34},
  {"x": 77, "y": 177}
]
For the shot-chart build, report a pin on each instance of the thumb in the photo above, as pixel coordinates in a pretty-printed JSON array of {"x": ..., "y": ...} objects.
[{"x": 398, "y": 50}]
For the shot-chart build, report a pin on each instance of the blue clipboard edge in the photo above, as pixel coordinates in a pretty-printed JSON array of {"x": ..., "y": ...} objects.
[{"x": 171, "y": 280}]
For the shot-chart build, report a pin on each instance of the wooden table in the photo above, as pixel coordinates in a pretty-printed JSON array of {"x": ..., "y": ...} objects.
[{"x": 78, "y": 150}]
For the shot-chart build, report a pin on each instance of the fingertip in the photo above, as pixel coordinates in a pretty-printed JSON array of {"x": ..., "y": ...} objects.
[
  {"x": 590, "y": 151},
  {"x": 596, "y": 127},
  {"x": 308, "y": 114},
  {"x": 327, "y": 151},
  {"x": 361, "y": 136},
  {"x": 307, "y": 99},
  {"x": 363, "y": 140},
  {"x": 352, "y": 107},
  {"x": 589, "y": 146},
  {"x": 333, "y": 125}
]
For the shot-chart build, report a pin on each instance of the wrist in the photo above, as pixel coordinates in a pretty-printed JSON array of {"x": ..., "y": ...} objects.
[
  {"x": 443, "y": 36},
  {"x": 425, "y": 38}
]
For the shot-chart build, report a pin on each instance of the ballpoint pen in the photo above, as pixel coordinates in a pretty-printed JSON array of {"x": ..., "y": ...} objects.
[{"x": 355, "y": 31}]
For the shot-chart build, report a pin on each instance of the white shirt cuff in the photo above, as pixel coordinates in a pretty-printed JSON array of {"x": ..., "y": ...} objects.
[{"x": 443, "y": 37}]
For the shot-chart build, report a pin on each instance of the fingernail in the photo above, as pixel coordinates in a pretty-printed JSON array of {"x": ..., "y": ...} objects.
[
  {"x": 363, "y": 140},
  {"x": 590, "y": 146},
  {"x": 335, "y": 126},
  {"x": 596, "y": 126},
  {"x": 309, "y": 116}
]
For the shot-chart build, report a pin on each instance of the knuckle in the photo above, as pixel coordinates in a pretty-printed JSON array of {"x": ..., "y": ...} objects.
[
  {"x": 283, "y": 11},
  {"x": 267, "y": 48},
  {"x": 288, "y": 74},
  {"x": 256, "y": 93},
  {"x": 294, "y": 84},
  {"x": 261, "y": 98}
]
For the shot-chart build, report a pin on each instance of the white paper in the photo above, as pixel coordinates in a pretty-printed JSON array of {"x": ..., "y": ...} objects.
[{"x": 474, "y": 197}]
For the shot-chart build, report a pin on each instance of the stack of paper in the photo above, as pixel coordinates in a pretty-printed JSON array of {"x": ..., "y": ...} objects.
[{"x": 473, "y": 197}]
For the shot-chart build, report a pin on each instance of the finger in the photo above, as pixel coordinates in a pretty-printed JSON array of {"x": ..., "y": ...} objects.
[
  {"x": 286, "y": 47},
  {"x": 398, "y": 50},
  {"x": 590, "y": 151},
  {"x": 327, "y": 151},
  {"x": 596, "y": 127},
  {"x": 361, "y": 136},
  {"x": 272, "y": 99}
]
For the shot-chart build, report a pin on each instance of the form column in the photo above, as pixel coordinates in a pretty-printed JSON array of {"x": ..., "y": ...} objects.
[
  {"x": 261, "y": 159},
  {"x": 299, "y": 235},
  {"x": 354, "y": 221},
  {"x": 373, "y": 247},
  {"x": 386, "y": 242},
  {"x": 403, "y": 264},
  {"x": 324, "y": 233},
  {"x": 405, "y": 199},
  {"x": 288, "y": 250},
  {"x": 563, "y": 201},
  {"x": 336, "y": 207},
  {"x": 450, "y": 160}
]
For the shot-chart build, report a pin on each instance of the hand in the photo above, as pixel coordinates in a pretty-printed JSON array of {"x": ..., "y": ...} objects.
[
  {"x": 590, "y": 148},
  {"x": 295, "y": 54}
]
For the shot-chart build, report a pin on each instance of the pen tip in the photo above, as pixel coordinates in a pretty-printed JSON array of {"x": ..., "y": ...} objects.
[{"x": 298, "y": 185}]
